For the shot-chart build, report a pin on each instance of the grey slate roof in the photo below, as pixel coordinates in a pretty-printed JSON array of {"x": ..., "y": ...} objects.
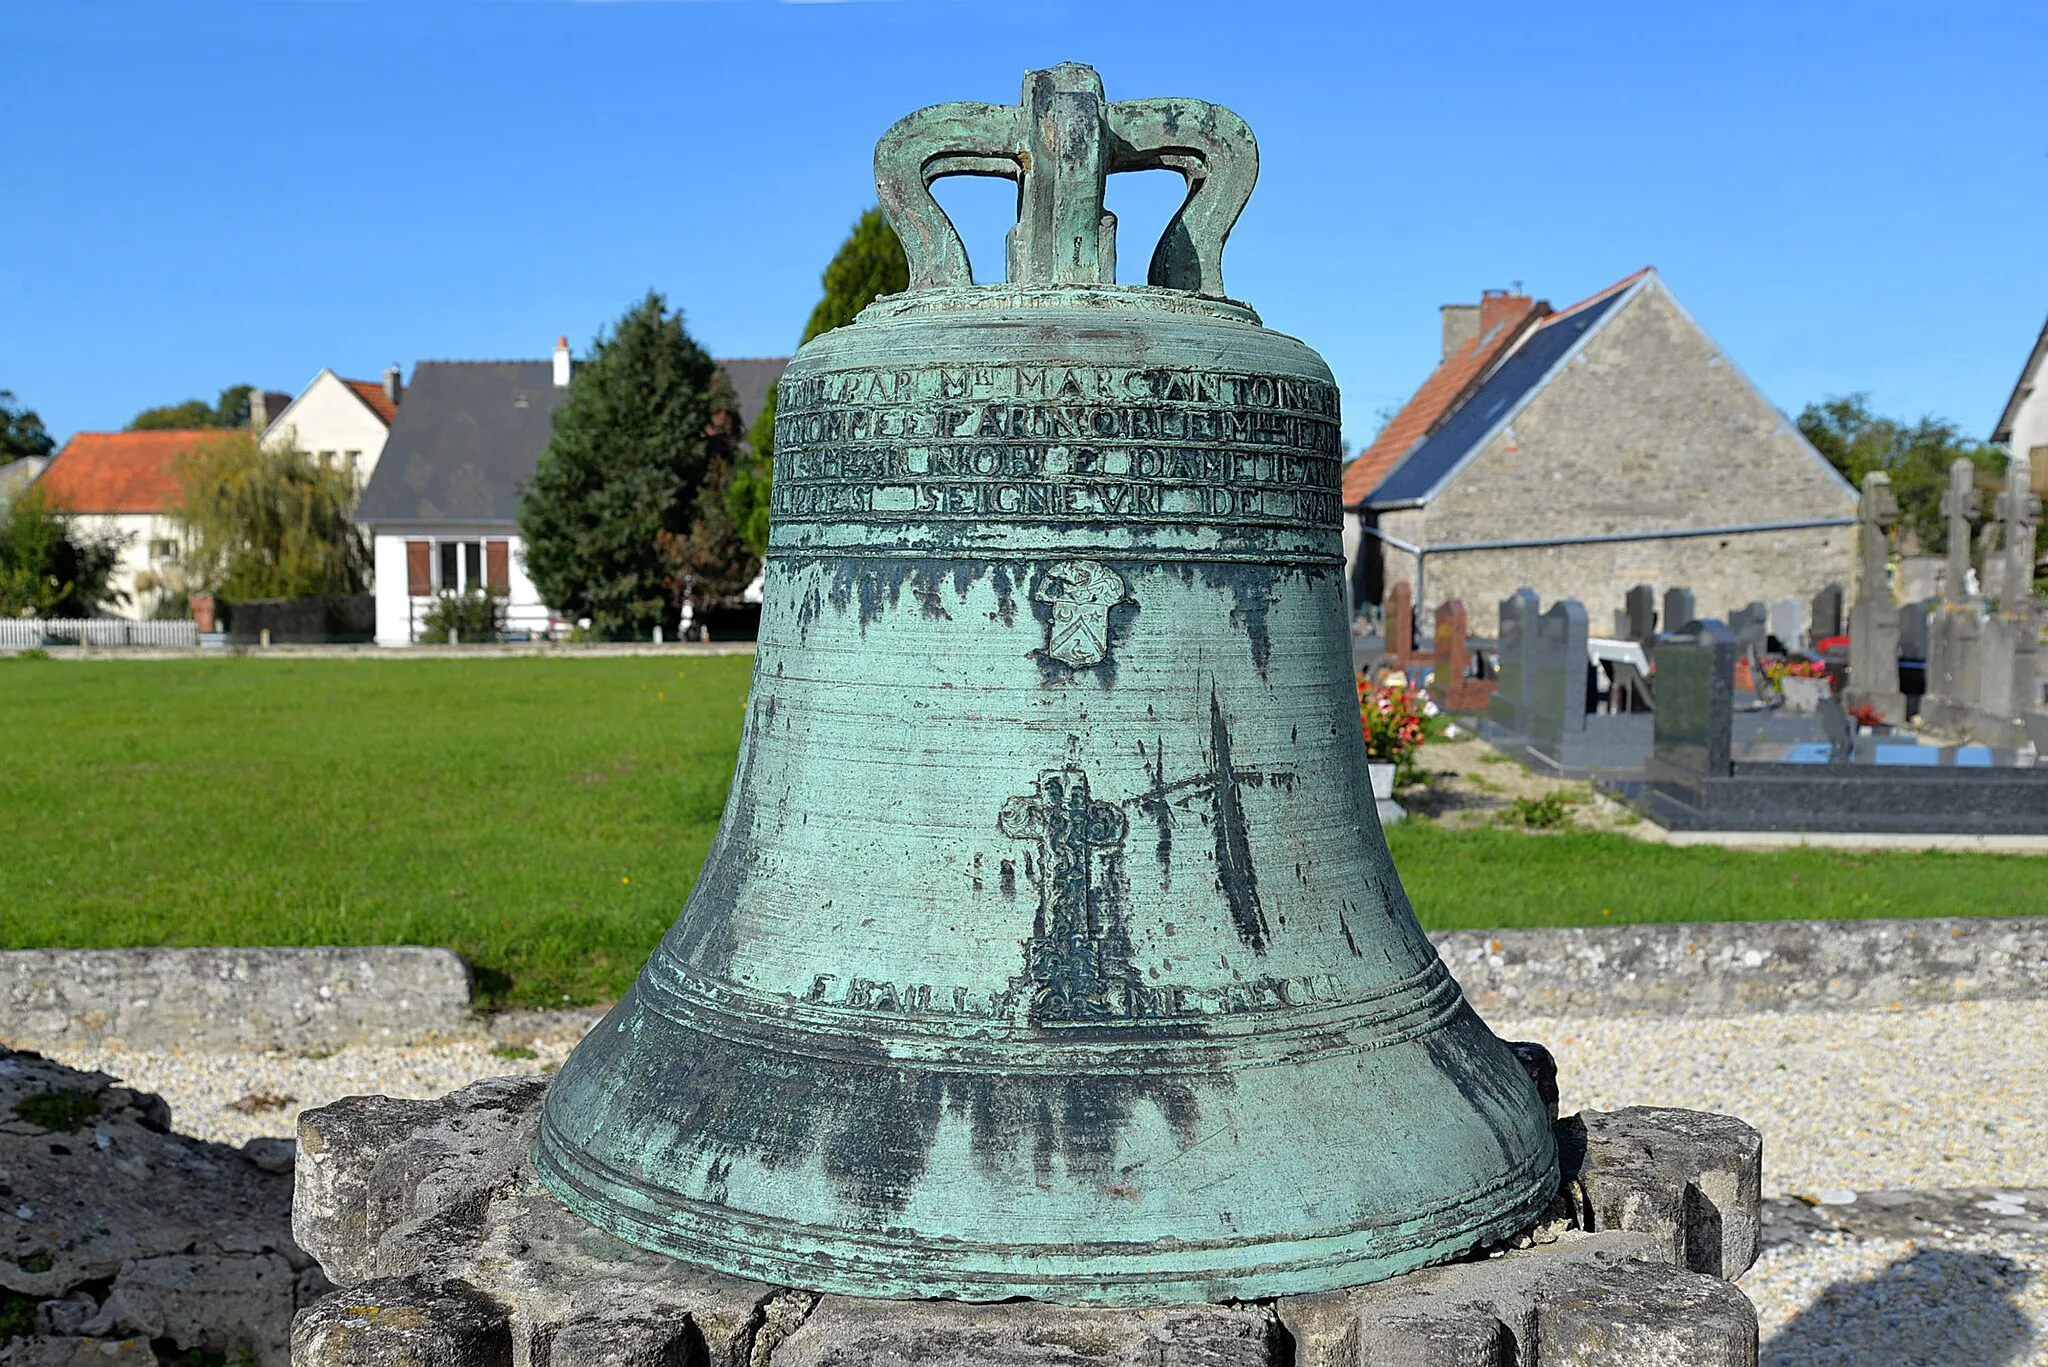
[
  {"x": 1424, "y": 469},
  {"x": 467, "y": 437},
  {"x": 469, "y": 434},
  {"x": 752, "y": 377}
]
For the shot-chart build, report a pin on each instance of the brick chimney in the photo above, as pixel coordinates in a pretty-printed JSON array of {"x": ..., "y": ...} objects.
[
  {"x": 264, "y": 407},
  {"x": 561, "y": 363},
  {"x": 1463, "y": 322},
  {"x": 394, "y": 386},
  {"x": 1495, "y": 305},
  {"x": 1461, "y": 325}
]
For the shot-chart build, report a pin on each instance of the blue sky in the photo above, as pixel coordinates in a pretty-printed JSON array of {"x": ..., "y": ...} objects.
[{"x": 1847, "y": 197}]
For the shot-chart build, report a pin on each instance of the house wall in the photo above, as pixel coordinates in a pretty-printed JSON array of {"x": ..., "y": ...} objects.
[
  {"x": 139, "y": 531},
  {"x": 328, "y": 417},
  {"x": 399, "y": 614},
  {"x": 2030, "y": 425},
  {"x": 1648, "y": 427}
]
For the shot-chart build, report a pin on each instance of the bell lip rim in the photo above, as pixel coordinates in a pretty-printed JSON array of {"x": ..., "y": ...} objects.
[{"x": 955, "y": 1270}]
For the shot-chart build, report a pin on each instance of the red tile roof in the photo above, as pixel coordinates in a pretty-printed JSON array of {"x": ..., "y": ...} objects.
[
  {"x": 1502, "y": 319},
  {"x": 121, "y": 472},
  {"x": 372, "y": 393}
]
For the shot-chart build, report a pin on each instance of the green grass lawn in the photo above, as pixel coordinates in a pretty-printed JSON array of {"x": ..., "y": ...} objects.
[{"x": 546, "y": 818}]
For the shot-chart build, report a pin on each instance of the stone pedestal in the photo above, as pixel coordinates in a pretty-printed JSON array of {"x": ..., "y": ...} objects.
[{"x": 451, "y": 1255}]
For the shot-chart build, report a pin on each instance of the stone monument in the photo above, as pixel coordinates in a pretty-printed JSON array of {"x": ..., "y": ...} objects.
[
  {"x": 1049, "y": 993},
  {"x": 1874, "y": 620},
  {"x": 1983, "y": 667}
]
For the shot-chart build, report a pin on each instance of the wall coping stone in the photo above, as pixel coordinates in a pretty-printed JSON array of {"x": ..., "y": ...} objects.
[
  {"x": 1733, "y": 967},
  {"x": 203, "y": 1000}
]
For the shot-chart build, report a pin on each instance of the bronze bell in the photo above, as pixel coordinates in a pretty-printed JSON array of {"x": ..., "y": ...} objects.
[{"x": 1050, "y": 946}]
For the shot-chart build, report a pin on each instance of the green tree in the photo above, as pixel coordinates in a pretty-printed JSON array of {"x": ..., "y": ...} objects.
[
  {"x": 1916, "y": 455},
  {"x": 868, "y": 265},
  {"x": 232, "y": 410},
  {"x": 268, "y": 522},
  {"x": 631, "y": 447},
  {"x": 50, "y": 566},
  {"x": 21, "y": 431}
]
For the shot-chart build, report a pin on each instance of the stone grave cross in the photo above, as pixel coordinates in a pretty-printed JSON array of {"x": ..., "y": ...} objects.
[
  {"x": 1874, "y": 620},
  {"x": 2019, "y": 518},
  {"x": 1962, "y": 507}
]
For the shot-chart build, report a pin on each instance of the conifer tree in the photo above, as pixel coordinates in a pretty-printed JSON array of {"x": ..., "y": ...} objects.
[
  {"x": 631, "y": 447},
  {"x": 869, "y": 264}
]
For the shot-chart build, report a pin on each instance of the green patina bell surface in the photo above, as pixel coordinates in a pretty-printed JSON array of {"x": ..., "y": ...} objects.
[{"x": 1050, "y": 946}]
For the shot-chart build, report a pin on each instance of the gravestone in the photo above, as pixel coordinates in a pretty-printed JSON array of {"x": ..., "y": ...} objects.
[
  {"x": 1715, "y": 768},
  {"x": 2009, "y": 679},
  {"x": 1827, "y": 614},
  {"x": 1514, "y": 700},
  {"x": 1678, "y": 608},
  {"x": 1695, "y": 702},
  {"x": 1566, "y": 734},
  {"x": 1560, "y": 666},
  {"x": 1400, "y": 628},
  {"x": 1642, "y": 615},
  {"x": 1913, "y": 620},
  {"x": 1983, "y": 666},
  {"x": 1751, "y": 627},
  {"x": 1874, "y": 621},
  {"x": 1962, "y": 506},
  {"x": 1451, "y": 685},
  {"x": 2019, "y": 518},
  {"x": 1841, "y": 735},
  {"x": 1786, "y": 619}
]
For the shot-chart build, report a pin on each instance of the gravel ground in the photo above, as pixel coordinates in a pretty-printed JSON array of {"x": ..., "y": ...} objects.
[
  {"x": 1896, "y": 1303},
  {"x": 237, "y": 1097},
  {"x": 1943, "y": 1096}
]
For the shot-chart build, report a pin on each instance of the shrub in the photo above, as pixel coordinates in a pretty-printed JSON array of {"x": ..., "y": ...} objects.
[
  {"x": 1547, "y": 813},
  {"x": 475, "y": 618}
]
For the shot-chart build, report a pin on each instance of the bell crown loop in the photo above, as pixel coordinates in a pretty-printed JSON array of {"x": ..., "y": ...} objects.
[{"x": 1059, "y": 143}]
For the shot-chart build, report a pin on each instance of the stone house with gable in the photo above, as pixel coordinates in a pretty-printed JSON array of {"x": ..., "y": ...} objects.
[{"x": 1584, "y": 450}]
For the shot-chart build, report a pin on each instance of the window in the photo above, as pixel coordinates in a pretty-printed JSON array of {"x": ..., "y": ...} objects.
[
  {"x": 461, "y": 566},
  {"x": 353, "y": 459},
  {"x": 163, "y": 552},
  {"x": 327, "y": 460}
]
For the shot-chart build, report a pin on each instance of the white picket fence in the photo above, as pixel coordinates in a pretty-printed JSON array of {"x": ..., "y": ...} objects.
[{"x": 28, "y": 633}]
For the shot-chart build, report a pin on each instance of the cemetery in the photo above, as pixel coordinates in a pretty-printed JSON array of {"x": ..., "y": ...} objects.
[{"x": 1064, "y": 937}]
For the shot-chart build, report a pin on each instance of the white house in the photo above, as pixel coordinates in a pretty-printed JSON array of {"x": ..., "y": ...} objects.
[
  {"x": 2023, "y": 426},
  {"x": 127, "y": 483},
  {"x": 442, "y": 506},
  {"x": 343, "y": 424}
]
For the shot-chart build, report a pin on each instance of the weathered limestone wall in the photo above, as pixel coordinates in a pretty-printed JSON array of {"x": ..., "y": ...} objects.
[
  {"x": 324, "y": 997},
  {"x": 1648, "y": 427}
]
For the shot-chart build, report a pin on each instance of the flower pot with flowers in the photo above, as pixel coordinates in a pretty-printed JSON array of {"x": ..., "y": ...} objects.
[
  {"x": 1393, "y": 718},
  {"x": 1802, "y": 683}
]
